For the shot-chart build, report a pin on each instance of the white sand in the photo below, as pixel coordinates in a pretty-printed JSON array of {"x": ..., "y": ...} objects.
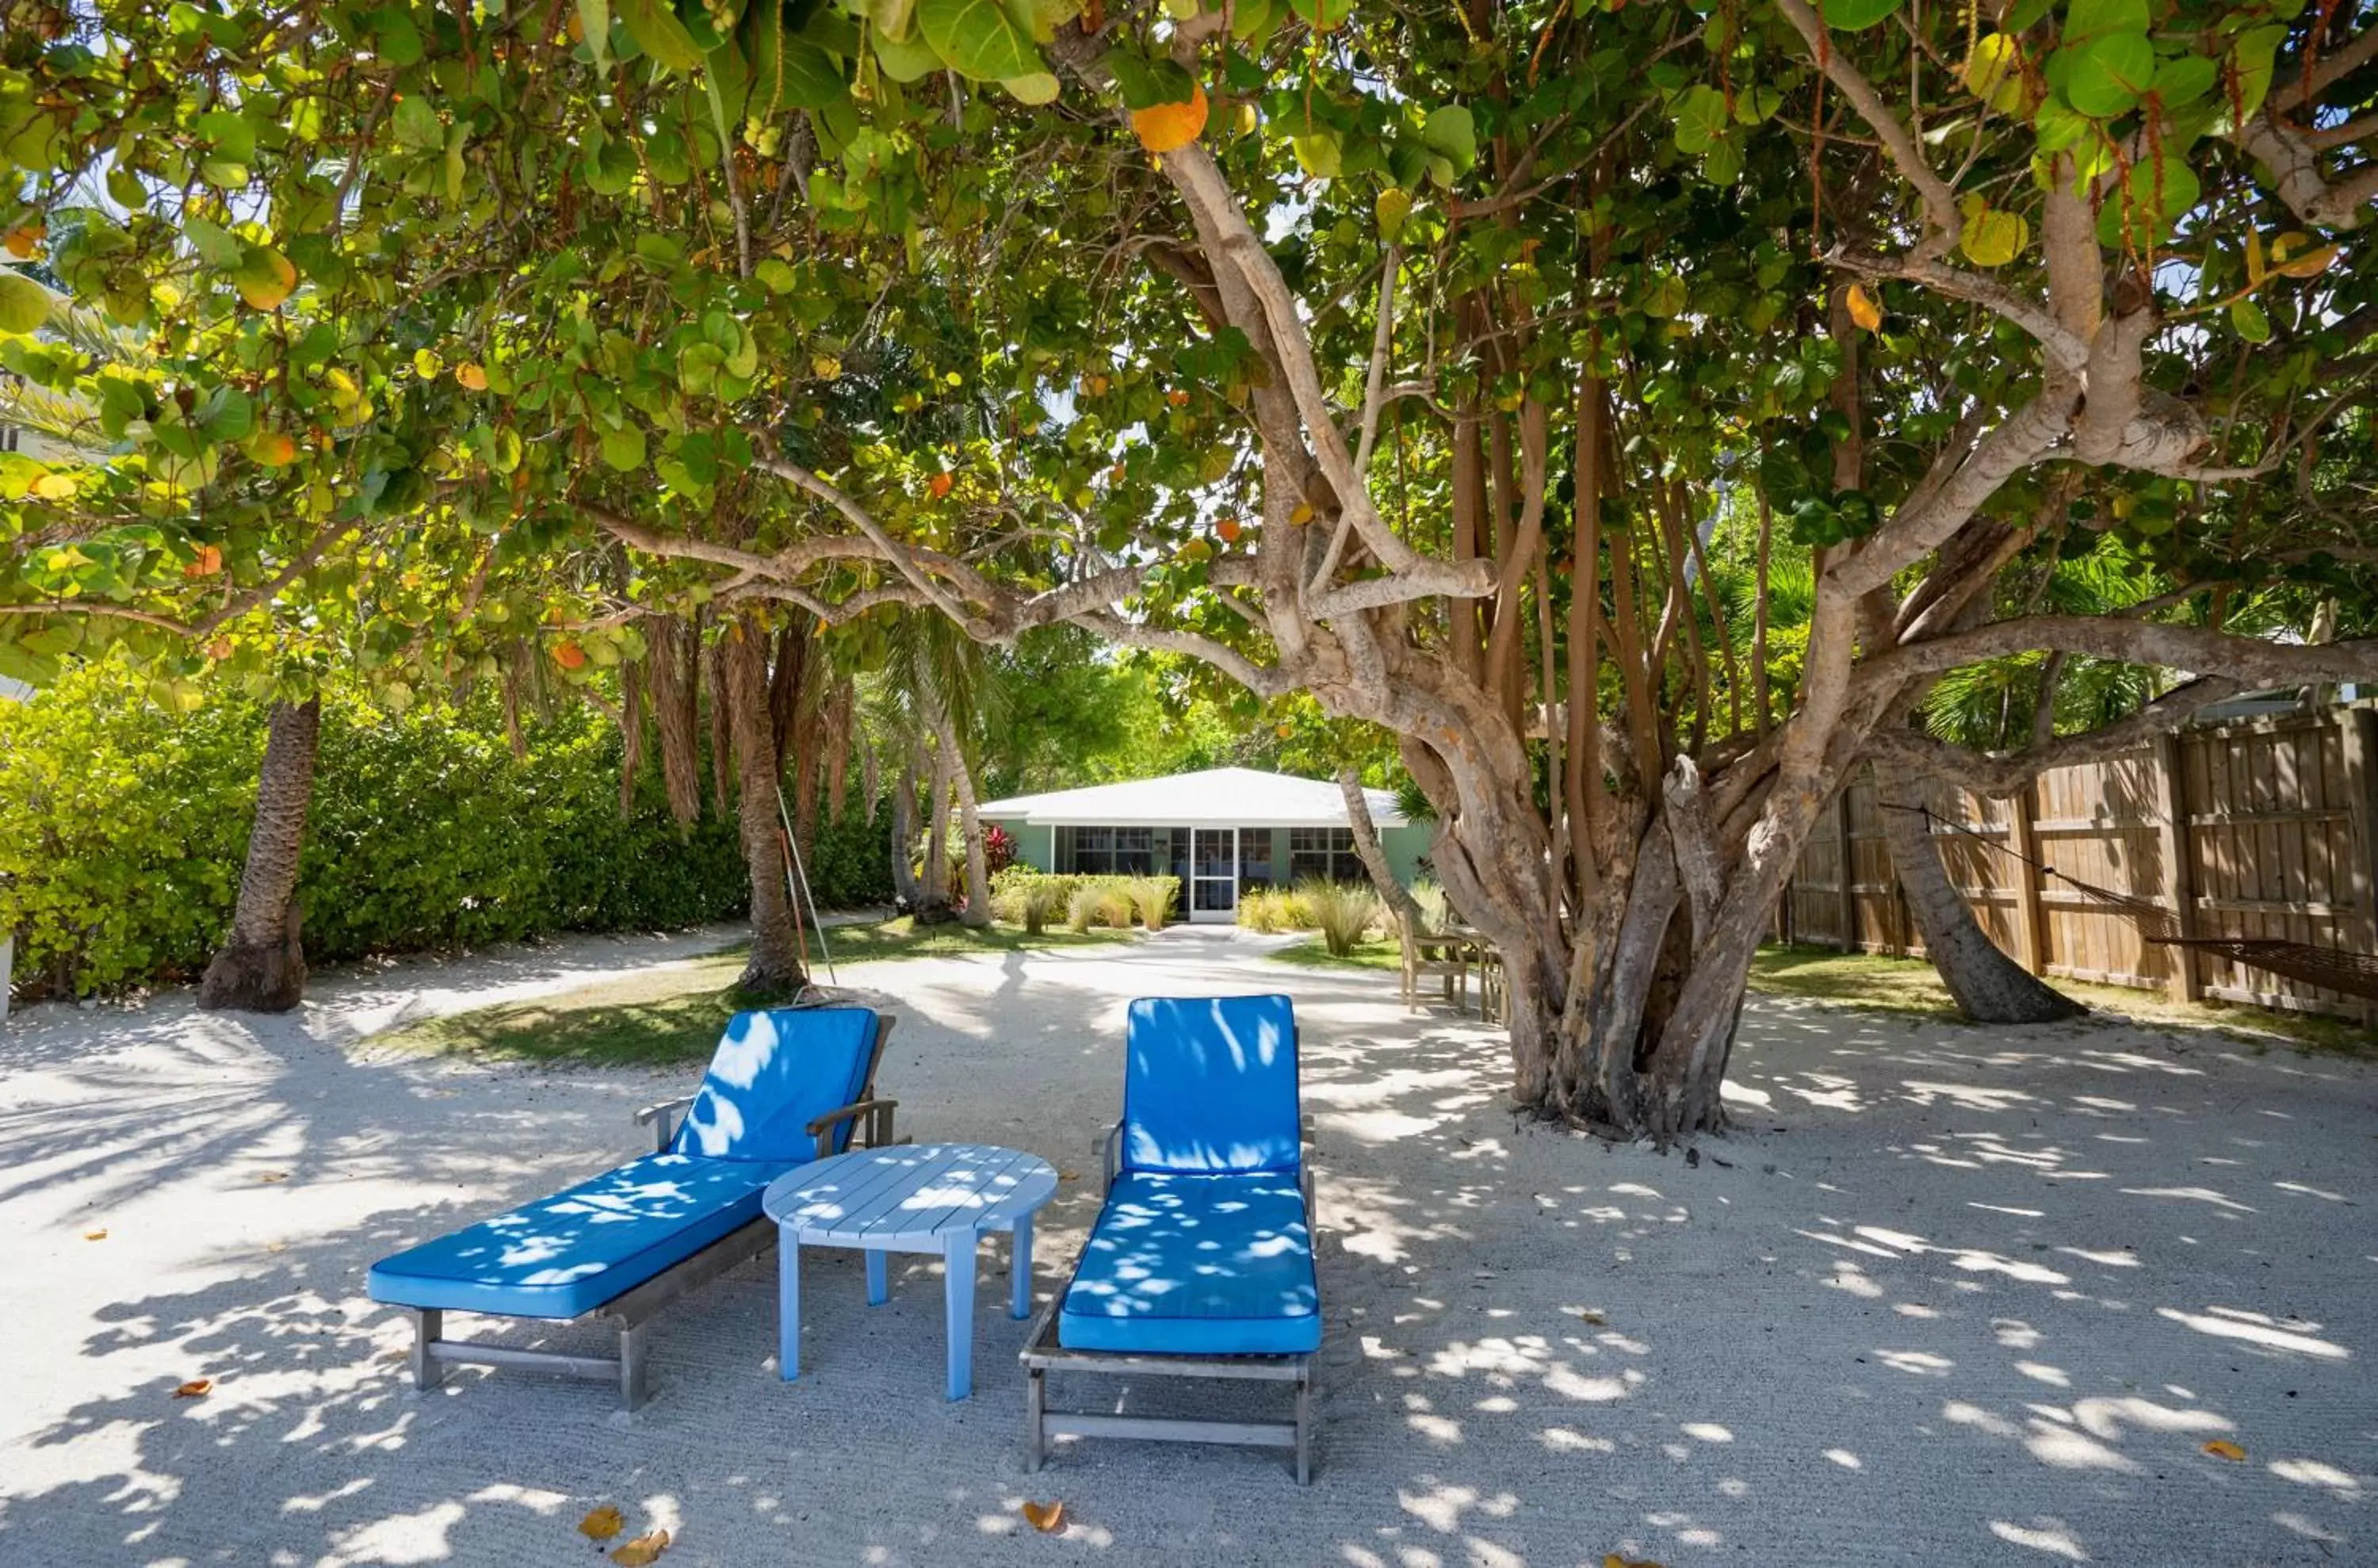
[{"x": 1955, "y": 1296}]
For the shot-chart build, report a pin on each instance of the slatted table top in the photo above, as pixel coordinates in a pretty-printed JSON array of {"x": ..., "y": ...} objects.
[{"x": 908, "y": 1193}]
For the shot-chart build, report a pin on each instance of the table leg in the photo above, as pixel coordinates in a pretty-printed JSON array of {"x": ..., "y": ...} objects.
[
  {"x": 788, "y": 1308},
  {"x": 958, "y": 1261},
  {"x": 1019, "y": 1269},
  {"x": 879, "y": 1277}
]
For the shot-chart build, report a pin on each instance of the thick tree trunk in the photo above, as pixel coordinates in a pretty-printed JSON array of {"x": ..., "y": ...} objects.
[
  {"x": 937, "y": 834},
  {"x": 261, "y": 966},
  {"x": 1989, "y": 986},
  {"x": 774, "y": 967},
  {"x": 673, "y": 682},
  {"x": 977, "y": 913}
]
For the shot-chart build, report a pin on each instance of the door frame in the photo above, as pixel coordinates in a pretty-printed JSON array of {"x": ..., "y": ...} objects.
[{"x": 1230, "y": 914}]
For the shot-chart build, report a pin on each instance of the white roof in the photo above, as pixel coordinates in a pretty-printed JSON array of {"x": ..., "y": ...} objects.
[{"x": 1217, "y": 797}]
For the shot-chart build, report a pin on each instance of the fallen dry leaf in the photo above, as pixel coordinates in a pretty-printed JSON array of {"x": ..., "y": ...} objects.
[
  {"x": 274, "y": 1176},
  {"x": 1047, "y": 1517},
  {"x": 1588, "y": 1315},
  {"x": 1069, "y": 1175},
  {"x": 99, "y": 1235},
  {"x": 2222, "y": 1448},
  {"x": 1614, "y": 1560},
  {"x": 276, "y": 1247},
  {"x": 642, "y": 1551},
  {"x": 602, "y": 1524},
  {"x": 197, "y": 1387}
]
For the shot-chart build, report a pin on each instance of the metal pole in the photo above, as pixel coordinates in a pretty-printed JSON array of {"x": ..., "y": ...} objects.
[{"x": 817, "y": 919}]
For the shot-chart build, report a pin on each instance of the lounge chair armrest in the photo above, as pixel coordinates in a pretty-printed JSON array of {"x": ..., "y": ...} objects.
[
  {"x": 878, "y": 1124},
  {"x": 1110, "y": 1157},
  {"x": 661, "y": 1114}
]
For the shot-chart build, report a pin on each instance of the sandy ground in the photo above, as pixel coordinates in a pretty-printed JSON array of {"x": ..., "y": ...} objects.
[{"x": 1949, "y": 1296}]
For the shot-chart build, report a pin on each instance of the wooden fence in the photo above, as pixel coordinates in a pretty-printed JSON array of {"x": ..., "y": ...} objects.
[{"x": 2250, "y": 827}]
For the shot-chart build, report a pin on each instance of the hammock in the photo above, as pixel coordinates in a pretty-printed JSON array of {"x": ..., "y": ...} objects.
[{"x": 2354, "y": 974}]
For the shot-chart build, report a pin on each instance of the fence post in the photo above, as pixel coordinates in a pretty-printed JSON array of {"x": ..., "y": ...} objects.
[
  {"x": 1848, "y": 876},
  {"x": 2361, "y": 725},
  {"x": 2030, "y": 919},
  {"x": 2178, "y": 852}
]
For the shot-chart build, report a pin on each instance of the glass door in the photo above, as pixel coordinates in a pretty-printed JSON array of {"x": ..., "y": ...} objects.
[{"x": 1213, "y": 874}]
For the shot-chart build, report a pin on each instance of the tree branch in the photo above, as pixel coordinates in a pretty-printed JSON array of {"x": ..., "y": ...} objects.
[{"x": 2002, "y": 774}]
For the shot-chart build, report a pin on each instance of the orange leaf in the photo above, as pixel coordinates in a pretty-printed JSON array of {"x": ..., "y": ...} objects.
[
  {"x": 569, "y": 656},
  {"x": 940, "y": 485},
  {"x": 471, "y": 375},
  {"x": 1167, "y": 127},
  {"x": 602, "y": 1524},
  {"x": 197, "y": 1387},
  {"x": 22, "y": 239},
  {"x": 271, "y": 449},
  {"x": 1863, "y": 310},
  {"x": 2222, "y": 1448},
  {"x": 642, "y": 1551},
  {"x": 1228, "y": 528},
  {"x": 1047, "y": 1517},
  {"x": 209, "y": 563},
  {"x": 94, "y": 1234}
]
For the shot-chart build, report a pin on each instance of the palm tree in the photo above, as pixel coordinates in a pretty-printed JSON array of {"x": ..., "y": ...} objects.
[{"x": 935, "y": 696}]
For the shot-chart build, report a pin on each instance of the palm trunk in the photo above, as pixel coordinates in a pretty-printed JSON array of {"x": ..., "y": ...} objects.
[
  {"x": 774, "y": 967},
  {"x": 261, "y": 966},
  {"x": 1989, "y": 987},
  {"x": 978, "y": 872},
  {"x": 937, "y": 838},
  {"x": 1402, "y": 907},
  {"x": 905, "y": 885}
]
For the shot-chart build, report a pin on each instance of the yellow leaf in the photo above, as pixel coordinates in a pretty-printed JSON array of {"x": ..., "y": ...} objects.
[
  {"x": 2254, "y": 258},
  {"x": 1992, "y": 238},
  {"x": 197, "y": 1387},
  {"x": 54, "y": 487},
  {"x": 1047, "y": 1517},
  {"x": 2222, "y": 1448},
  {"x": 602, "y": 1524},
  {"x": 1303, "y": 515},
  {"x": 94, "y": 1235},
  {"x": 2311, "y": 263},
  {"x": 641, "y": 1552},
  {"x": 1863, "y": 310}
]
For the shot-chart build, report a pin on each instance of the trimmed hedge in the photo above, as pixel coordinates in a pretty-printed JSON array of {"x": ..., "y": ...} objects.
[{"x": 127, "y": 827}]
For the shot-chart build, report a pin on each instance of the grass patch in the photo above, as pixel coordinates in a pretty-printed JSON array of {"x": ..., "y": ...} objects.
[
  {"x": 1377, "y": 952},
  {"x": 672, "y": 1015},
  {"x": 1913, "y": 986}
]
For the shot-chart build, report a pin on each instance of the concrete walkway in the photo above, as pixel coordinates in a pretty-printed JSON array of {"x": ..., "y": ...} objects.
[{"x": 1949, "y": 1296}]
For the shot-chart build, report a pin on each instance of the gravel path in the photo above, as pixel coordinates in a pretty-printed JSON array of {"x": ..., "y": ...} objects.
[{"x": 1950, "y": 1295}]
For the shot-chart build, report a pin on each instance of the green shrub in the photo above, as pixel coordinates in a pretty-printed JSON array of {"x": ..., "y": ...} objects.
[
  {"x": 1343, "y": 910},
  {"x": 1430, "y": 897},
  {"x": 1151, "y": 898},
  {"x": 1039, "y": 902},
  {"x": 1268, "y": 910},
  {"x": 129, "y": 825},
  {"x": 1082, "y": 909}
]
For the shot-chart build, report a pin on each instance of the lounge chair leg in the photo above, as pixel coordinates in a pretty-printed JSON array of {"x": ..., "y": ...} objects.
[
  {"x": 631, "y": 1367},
  {"x": 428, "y": 1371},
  {"x": 1036, "y": 1405},
  {"x": 1019, "y": 1269},
  {"x": 1304, "y": 1428}
]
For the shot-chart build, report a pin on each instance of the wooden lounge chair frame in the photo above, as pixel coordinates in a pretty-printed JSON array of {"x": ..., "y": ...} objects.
[
  {"x": 631, "y": 1312},
  {"x": 1042, "y": 1355}
]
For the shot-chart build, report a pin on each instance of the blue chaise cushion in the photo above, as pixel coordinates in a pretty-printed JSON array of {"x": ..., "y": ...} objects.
[
  {"x": 571, "y": 1252},
  {"x": 1210, "y": 1085},
  {"x": 1197, "y": 1265},
  {"x": 774, "y": 1073}
]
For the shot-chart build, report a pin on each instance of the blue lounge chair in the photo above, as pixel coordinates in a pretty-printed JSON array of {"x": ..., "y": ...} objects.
[
  {"x": 787, "y": 1087},
  {"x": 1201, "y": 1261}
]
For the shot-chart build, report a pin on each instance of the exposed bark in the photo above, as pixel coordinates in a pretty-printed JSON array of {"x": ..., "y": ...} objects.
[
  {"x": 1394, "y": 893},
  {"x": 905, "y": 885},
  {"x": 1989, "y": 987},
  {"x": 774, "y": 967},
  {"x": 722, "y": 743},
  {"x": 977, "y": 913},
  {"x": 673, "y": 679},
  {"x": 261, "y": 965}
]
